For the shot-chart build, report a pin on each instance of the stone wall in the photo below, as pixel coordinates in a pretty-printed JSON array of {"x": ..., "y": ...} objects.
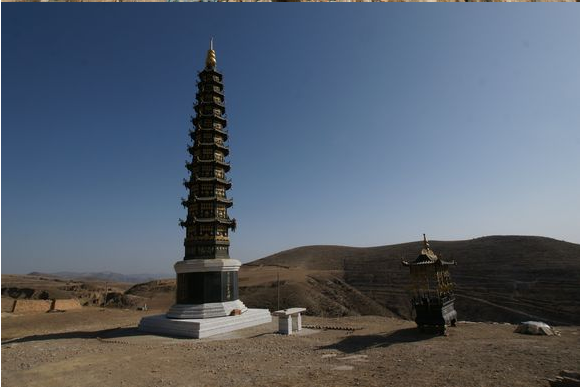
[
  {"x": 7, "y": 304},
  {"x": 40, "y": 306},
  {"x": 32, "y": 306},
  {"x": 72, "y": 303}
]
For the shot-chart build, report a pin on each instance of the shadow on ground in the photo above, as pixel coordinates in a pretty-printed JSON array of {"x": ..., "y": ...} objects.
[
  {"x": 114, "y": 333},
  {"x": 352, "y": 344}
]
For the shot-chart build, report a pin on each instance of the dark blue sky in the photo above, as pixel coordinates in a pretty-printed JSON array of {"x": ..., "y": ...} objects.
[{"x": 358, "y": 124}]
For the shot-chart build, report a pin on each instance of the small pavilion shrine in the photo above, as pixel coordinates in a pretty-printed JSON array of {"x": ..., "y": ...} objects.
[{"x": 432, "y": 293}]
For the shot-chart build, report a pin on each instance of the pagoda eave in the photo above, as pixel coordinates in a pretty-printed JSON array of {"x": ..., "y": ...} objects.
[
  {"x": 201, "y": 102},
  {"x": 213, "y": 116},
  {"x": 220, "y": 131},
  {"x": 215, "y": 220},
  {"x": 214, "y": 145},
  {"x": 214, "y": 89},
  {"x": 210, "y": 81},
  {"x": 214, "y": 199},
  {"x": 198, "y": 121},
  {"x": 199, "y": 95},
  {"x": 211, "y": 70}
]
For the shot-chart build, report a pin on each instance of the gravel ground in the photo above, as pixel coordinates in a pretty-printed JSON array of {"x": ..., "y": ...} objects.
[{"x": 96, "y": 347}]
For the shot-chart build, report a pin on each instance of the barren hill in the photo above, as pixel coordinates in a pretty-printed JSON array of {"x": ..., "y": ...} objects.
[{"x": 498, "y": 278}]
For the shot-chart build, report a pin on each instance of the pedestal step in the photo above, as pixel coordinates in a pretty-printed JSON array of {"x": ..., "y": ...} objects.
[
  {"x": 200, "y": 328},
  {"x": 208, "y": 310}
]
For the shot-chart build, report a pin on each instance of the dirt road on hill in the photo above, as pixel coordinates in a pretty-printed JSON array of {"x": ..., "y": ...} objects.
[{"x": 95, "y": 347}]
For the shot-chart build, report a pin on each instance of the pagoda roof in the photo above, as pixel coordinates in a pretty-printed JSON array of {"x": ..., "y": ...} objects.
[
  {"x": 207, "y": 88},
  {"x": 210, "y": 70},
  {"x": 213, "y": 144},
  {"x": 226, "y": 183},
  {"x": 214, "y": 220},
  {"x": 209, "y": 80},
  {"x": 213, "y": 178},
  {"x": 201, "y": 101},
  {"x": 188, "y": 202},
  {"x": 213, "y": 115},
  {"x": 223, "y": 164},
  {"x": 198, "y": 108},
  {"x": 220, "y": 131},
  {"x": 427, "y": 257},
  {"x": 213, "y": 198},
  {"x": 223, "y": 132}
]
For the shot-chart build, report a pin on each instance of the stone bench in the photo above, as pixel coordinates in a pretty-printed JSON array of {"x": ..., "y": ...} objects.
[{"x": 285, "y": 325}]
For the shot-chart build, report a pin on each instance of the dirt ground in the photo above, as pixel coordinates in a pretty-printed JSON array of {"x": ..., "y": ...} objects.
[{"x": 101, "y": 347}]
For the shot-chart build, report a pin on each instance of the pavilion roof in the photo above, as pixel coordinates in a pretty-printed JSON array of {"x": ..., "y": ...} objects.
[{"x": 427, "y": 256}]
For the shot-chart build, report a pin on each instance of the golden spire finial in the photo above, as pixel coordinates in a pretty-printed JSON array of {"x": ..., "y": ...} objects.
[{"x": 210, "y": 60}]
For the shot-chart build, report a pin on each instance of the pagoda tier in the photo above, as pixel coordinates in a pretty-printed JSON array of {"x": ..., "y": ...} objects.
[{"x": 208, "y": 224}]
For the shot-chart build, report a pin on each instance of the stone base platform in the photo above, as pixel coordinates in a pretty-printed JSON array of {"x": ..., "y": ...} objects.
[{"x": 200, "y": 328}]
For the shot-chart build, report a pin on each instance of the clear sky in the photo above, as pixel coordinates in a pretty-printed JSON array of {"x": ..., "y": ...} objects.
[{"x": 350, "y": 124}]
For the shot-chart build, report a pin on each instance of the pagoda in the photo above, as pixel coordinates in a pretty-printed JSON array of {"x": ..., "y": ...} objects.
[
  {"x": 207, "y": 278},
  {"x": 432, "y": 294},
  {"x": 207, "y": 275},
  {"x": 207, "y": 222}
]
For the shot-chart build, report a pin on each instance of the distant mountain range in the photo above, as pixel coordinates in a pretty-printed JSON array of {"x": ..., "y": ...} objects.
[{"x": 105, "y": 276}]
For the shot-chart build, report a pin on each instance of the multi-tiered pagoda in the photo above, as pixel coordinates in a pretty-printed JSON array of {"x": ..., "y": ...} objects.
[
  {"x": 207, "y": 275},
  {"x": 207, "y": 224},
  {"x": 207, "y": 279}
]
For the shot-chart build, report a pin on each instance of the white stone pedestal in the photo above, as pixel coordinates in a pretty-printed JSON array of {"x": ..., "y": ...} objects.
[{"x": 200, "y": 328}]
